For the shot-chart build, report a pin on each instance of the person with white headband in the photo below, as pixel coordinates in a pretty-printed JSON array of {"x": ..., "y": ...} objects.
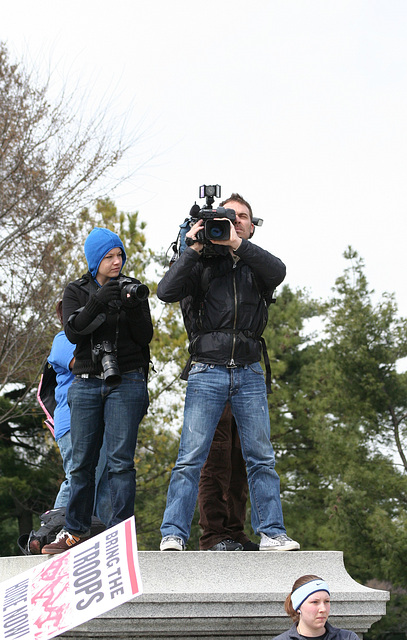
[{"x": 308, "y": 605}]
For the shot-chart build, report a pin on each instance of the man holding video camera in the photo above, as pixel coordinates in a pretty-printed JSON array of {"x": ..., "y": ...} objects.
[{"x": 224, "y": 299}]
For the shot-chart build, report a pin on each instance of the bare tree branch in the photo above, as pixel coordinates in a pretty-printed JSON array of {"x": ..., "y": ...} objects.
[{"x": 51, "y": 165}]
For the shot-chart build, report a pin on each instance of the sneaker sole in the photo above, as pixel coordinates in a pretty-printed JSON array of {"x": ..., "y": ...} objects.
[
  {"x": 54, "y": 551},
  {"x": 217, "y": 550},
  {"x": 287, "y": 547},
  {"x": 170, "y": 549}
]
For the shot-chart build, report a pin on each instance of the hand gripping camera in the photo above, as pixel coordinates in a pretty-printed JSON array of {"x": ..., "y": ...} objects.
[
  {"x": 216, "y": 224},
  {"x": 138, "y": 292},
  {"x": 214, "y": 229}
]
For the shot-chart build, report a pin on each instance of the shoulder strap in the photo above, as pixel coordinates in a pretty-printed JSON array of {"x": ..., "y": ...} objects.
[
  {"x": 266, "y": 364},
  {"x": 88, "y": 285},
  {"x": 186, "y": 369},
  {"x": 96, "y": 322}
]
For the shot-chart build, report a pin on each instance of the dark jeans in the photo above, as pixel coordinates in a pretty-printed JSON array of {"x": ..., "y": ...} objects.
[
  {"x": 103, "y": 504},
  {"x": 223, "y": 487},
  {"x": 97, "y": 409}
]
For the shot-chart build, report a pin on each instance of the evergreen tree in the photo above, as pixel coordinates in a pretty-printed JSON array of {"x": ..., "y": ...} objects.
[{"x": 338, "y": 413}]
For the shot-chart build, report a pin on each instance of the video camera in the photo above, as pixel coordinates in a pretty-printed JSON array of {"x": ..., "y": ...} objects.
[
  {"x": 216, "y": 224},
  {"x": 214, "y": 229}
]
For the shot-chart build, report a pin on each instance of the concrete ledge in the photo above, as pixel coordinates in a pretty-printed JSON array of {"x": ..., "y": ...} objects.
[{"x": 209, "y": 595}]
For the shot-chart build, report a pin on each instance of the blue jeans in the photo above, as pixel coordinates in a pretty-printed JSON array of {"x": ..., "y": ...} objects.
[
  {"x": 103, "y": 505},
  {"x": 209, "y": 388},
  {"x": 115, "y": 413}
]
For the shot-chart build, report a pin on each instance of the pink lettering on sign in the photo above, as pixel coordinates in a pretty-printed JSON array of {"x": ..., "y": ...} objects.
[{"x": 49, "y": 595}]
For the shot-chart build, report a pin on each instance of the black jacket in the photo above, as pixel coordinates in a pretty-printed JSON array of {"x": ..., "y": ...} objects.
[
  {"x": 333, "y": 634},
  {"x": 224, "y": 302},
  {"x": 134, "y": 325}
]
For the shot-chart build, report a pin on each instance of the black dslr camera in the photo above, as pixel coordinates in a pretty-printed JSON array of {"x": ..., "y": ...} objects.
[
  {"x": 138, "y": 292},
  {"x": 105, "y": 352}
]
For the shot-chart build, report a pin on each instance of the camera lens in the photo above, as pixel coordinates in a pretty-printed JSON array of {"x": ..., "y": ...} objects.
[
  {"x": 139, "y": 292},
  {"x": 217, "y": 229},
  {"x": 215, "y": 233},
  {"x": 111, "y": 370}
]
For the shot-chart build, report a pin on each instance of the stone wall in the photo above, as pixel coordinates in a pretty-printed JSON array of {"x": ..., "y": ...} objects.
[{"x": 206, "y": 595}]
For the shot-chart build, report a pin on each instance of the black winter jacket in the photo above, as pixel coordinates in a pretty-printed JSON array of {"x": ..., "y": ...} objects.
[
  {"x": 333, "y": 634},
  {"x": 135, "y": 328},
  {"x": 224, "y": 302}
]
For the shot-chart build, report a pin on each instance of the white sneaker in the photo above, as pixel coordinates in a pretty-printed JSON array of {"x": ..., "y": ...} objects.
[
  {"x": 277, "y": 543},
  {"x": 172, "y": 543}
]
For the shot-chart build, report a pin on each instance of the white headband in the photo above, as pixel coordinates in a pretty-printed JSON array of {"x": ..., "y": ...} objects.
[{"x": 302, "y": 593}]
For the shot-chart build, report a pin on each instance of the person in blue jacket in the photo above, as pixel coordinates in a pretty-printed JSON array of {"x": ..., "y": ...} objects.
[
  {"x": 308, "y": 605},
  {"x": 62, "y": 360}
]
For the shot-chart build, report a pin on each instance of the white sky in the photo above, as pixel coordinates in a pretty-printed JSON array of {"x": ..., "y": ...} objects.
[{"x": 299, "y": 105}]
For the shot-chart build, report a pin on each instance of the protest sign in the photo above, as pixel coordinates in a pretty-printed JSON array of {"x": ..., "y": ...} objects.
[{"x": 72, "y": 587}]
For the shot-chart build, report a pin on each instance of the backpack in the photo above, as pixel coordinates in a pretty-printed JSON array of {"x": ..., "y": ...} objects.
[
  {"x": 52, "y": 522},
  {"x": 46, "y": 394}
]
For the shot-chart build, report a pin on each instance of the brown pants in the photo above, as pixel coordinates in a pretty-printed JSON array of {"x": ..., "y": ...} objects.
[{"x": 223, "y": 487}]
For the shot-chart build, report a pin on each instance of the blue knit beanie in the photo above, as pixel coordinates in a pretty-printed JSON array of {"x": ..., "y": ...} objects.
[{"x": 98, "y": 243}]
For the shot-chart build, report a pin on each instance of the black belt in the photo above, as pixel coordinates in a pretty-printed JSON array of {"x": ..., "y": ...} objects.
[
  {"x": 100, "y": 376},
  {"x": 91, "y": 375}
]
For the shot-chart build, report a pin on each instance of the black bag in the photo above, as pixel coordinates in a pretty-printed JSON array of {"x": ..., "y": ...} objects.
[
  {"x": 46, "y": 394},
  {"x": 52, "y": 522}
]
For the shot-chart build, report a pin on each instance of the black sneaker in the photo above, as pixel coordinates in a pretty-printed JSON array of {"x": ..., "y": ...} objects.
[
  {"x": 251, "y": 546},
  {"x": 226, "y": 545}
]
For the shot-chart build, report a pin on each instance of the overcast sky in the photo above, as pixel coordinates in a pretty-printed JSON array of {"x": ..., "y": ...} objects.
[{"x": 299, "y": 105}]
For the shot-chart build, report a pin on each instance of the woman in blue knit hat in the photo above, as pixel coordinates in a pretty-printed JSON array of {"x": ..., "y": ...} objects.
[
  {"x": 309, "y": 605},
  {"x": 107, "y": 317}
]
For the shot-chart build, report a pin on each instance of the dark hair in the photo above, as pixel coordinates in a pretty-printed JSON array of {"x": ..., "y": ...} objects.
[
  {"x": 288, "y": 605},
  {"x": 58, "y": 309},
  {"x": 238, "y": 198}
]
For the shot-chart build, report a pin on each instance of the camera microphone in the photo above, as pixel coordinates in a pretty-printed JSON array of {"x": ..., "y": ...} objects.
[{"x": 195, "y": 209}]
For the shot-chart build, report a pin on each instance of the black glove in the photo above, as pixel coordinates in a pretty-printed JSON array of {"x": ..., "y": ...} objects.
[
  {"x": 128, "y": 302},
  {"x": 110, "y": 291}
]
